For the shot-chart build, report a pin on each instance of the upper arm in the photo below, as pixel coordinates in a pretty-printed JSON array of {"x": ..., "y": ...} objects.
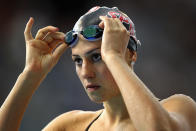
[
  {"x": 61, "y": 122},
  {"x": 182, "y": 110}
]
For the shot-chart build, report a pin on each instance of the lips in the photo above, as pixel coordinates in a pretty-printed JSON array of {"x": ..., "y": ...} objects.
[{"x": 92, "y": 87}]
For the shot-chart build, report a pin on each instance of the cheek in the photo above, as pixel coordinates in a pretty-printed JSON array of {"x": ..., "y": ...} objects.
[
  {"x": 110, "y": 87},
  {"x": 77, "y": 70},
  {"x": 106, "y": 76},
  {"x": 79, "y": 74}
]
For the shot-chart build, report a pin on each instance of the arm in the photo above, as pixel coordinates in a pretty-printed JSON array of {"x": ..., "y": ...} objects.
[
  {"x": 40, "y": 59},
  {"x": 15, "y": 104},
  {"x": 141, "y": 104},
  {"x": 144, "y": 110},
  {"x": 183, "y": 109}
]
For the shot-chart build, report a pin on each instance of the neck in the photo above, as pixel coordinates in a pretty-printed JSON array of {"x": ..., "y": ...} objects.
[{"x": 115, "y": 110}]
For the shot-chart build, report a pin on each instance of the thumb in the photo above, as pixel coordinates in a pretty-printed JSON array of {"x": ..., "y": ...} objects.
[
  {"x": 59, "y": 51},
  {"x": 101, "y": 25}
]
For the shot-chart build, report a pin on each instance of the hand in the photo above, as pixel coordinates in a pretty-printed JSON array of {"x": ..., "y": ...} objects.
[
  {"x": 43, "y": 52},
  {"x": 115, "y": 37}
]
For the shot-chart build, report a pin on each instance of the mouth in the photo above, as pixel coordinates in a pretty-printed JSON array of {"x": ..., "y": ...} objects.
[{"x": 92, "y": 87}]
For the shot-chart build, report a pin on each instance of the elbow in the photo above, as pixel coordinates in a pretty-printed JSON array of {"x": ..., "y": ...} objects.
[
  {"x": 159, "y": 122},
  {"x": 167, "y": 123},
  {"x": 161, "y": 125}
]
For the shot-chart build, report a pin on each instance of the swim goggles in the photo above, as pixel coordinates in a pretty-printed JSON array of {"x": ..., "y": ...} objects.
[{"x": 90, "y": 33}]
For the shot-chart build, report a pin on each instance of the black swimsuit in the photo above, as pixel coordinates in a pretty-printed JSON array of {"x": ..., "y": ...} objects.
[{"x": 93, "y": 122}]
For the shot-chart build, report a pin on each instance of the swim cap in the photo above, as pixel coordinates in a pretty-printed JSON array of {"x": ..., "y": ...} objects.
[{"x": 92, "y": 18}]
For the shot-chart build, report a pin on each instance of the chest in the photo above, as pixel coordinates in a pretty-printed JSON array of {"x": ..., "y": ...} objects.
[{"x": 124, "y": 126}]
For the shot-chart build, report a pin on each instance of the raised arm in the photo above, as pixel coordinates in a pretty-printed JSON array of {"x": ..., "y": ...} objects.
[
  {"x": 145, "y": 111},
  {"x": 41, "y": 56}
]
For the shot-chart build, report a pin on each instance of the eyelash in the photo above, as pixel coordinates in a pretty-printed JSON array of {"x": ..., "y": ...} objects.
[
  {"x": 76, "y": 61},
  {"x": 95, "y": 55}
]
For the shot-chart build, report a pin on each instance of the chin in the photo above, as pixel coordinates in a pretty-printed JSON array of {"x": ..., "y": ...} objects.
[{"x": 96, "y": 99}]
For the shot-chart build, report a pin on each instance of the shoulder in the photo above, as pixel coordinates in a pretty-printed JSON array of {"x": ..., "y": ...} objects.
[
  {"x": 71, "y": 120},
  {"x": 182, "y": 108},
  {"x": 179, "y": 102}
]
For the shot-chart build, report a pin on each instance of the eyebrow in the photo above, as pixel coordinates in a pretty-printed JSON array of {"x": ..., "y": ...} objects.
[{"x": 88, "y": 52}]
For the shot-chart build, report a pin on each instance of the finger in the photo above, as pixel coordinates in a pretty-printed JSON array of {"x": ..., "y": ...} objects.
[
  {"x": 58, "y": 36},
  {"x": 59, "y": 51},
  {"x": 113, "y": 23},
  {"x": 103, "y": 18},
  {"x": 41, "y": 45},
  {"x": 107, "y": 22},
  {"x": 54, "y": 36},
  {"x": 101, "y": 25},
  {"x": 27, "y": 32},
  {"x": 120, "y": 25},
  {"x": 47, "y": 38},
  {"x": 54, "y": 44},
  {"x": 43, "y": 32}
]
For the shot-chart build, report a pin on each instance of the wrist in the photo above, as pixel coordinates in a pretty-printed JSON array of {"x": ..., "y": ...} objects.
[
  {"x": 28, "y": 82},
  {"x": 34, "y": 75},
  {"x": 112, "y": 56}
]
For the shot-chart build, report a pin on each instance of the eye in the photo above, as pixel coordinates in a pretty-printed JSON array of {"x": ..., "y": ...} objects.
[
  {"x": 78, "y": 61},
  {"x": 96, "y": 57}
]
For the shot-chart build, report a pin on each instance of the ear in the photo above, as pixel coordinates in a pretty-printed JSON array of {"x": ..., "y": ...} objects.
[
  {"x": 130, "y": 56},
  {"x": 134, "y": 56}
]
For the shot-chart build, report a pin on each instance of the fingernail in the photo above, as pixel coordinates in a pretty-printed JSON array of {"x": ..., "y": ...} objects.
[
  {"x": 30, "y": 18},
  {"x": 56, "y": 28}
]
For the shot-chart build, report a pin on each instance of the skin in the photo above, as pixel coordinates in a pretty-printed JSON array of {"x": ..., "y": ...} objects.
[{"x": 128, "y": 104}]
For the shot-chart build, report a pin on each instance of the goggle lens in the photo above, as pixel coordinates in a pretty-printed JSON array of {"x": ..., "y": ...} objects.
[{"x": 91, "y": 33}]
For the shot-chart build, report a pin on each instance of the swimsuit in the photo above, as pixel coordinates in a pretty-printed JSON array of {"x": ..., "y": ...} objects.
[{"x": 93, "y": 122}]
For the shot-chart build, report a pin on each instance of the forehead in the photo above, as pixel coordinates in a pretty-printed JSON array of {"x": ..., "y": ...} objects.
[{"x": 84, "y": 45}]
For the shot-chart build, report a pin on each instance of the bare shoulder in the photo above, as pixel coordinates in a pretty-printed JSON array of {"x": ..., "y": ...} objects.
[
  {"x": 72, "y": 120},
  {"x": 179, "y": 102},
  {"x": 183, "y": 108}
]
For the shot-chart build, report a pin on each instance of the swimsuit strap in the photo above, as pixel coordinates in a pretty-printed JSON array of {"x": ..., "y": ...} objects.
[{"x": 93, "y": 121}]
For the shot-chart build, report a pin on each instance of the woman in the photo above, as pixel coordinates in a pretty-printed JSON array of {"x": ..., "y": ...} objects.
[{"x": 104, "y": 46}]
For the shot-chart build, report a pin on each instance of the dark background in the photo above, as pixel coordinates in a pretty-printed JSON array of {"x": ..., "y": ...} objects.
[{"x": 166, "y": 60}]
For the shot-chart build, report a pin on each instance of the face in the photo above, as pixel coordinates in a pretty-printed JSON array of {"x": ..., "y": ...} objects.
[{"x": 92, "y": 71}]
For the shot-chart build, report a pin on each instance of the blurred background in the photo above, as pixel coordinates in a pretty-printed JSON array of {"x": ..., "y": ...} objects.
[{"x": 166, "y": 60}]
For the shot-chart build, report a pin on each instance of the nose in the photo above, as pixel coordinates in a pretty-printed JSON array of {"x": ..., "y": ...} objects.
[{"x": 88, "y": 70}]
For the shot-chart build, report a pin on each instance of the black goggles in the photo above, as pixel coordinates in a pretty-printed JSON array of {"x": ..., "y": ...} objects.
[{"x": 90, "y": 33}]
